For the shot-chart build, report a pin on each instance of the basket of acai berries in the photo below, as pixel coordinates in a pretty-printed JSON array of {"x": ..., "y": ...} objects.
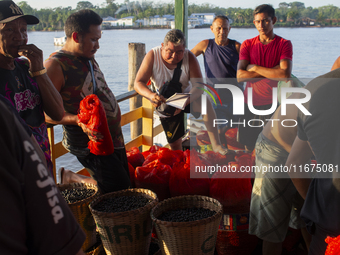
[
  {"x": 78, "y": 196},
  {"x": 187, "y": 224},
  {"x": 123, "y": 220}
]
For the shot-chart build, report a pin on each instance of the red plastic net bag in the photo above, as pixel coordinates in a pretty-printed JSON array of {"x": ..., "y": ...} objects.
[
  {"x": 180, "y": 181},
  {"x": 135, "y": 157},
  {"x": 153, "y": 149},
  {"x": 154, "y": 176},
  {"x": 169, "y": 157},
  {"x": 216, "y": 158},
  {"x": 233, "y": 193},
  {"x": 164, "y": 155},
  {"x": 333, "y": 247},
  {"x": 92, "y": 114}
]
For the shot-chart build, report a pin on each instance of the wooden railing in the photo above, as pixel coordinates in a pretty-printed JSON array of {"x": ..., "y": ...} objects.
[{"x": 145, "y": 112}]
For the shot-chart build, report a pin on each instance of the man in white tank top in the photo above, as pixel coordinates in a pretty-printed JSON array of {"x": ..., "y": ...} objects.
[{"x": 159, "y": 65}]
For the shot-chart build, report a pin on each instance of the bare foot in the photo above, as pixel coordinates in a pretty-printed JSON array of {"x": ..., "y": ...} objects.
[{"x": 221, "y": 150}]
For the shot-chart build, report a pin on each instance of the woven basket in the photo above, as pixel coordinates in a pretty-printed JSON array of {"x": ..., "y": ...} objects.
[
  {"x": 97, "y": 251},
  {"x": 82, "y": 213},
  {"x": 125, "y": 233},
  {"x": 185, "y": 238}
]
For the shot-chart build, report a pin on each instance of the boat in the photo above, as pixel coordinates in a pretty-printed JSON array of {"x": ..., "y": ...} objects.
[{"x": 59, "y": 41}]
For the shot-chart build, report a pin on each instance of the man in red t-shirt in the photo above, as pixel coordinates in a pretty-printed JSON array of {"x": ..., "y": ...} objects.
[{"x": 268, "y": 57}]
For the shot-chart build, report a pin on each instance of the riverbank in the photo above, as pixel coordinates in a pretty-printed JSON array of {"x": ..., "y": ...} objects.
[{"x": 197, "y": 27}]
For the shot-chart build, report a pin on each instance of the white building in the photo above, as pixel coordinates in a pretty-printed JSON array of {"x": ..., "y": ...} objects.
[
  {"x": 108, "y": 21},
  {"x": 123, "y": 22},
  {"x": 158, "y": 20},
  {"x": 206, "y": 17}
]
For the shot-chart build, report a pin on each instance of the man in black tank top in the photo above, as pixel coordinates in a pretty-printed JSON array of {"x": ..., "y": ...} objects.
[{"x": 221, "y": 56}]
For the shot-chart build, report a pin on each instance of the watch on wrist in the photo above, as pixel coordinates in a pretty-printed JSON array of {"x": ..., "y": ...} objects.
[{"x": 37, "y": 73}]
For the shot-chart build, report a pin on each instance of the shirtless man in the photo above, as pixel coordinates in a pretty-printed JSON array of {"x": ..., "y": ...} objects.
[{"x": 275, "y": 202}]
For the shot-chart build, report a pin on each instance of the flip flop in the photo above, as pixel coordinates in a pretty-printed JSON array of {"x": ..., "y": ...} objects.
[{"x": 60, "y": 174}]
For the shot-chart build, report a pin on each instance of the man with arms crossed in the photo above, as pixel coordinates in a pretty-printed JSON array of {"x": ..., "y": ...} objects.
[
  {"x": 220, "y": 61},
  {"x": 269, "y": 57},
  {"x": 158, "y": 65},
  {"x": 70, "y": 71}
]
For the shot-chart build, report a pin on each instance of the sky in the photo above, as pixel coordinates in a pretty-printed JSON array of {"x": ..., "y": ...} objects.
[{"x": 39, "y": 4}]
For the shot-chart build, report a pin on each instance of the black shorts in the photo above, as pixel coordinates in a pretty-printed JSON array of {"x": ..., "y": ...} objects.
[
  {"x": 174, "y": 126},
  {"x": 111, "y": 172},
  {"x": 247, "y": 134}
]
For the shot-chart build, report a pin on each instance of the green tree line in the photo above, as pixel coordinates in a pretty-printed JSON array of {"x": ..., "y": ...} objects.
[{"x": 288, "y": 14}]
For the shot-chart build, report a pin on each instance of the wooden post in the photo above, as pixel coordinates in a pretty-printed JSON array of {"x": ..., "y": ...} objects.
[
  {"x": 136, "y": 55},
  {"x": 147, "y": 124},
  {"x": 181, "y": 17},
  {"x": 50, "y": 132}
]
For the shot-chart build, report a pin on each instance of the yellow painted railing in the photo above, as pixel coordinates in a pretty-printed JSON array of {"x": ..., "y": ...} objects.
[{"x": 145, "y": 112}]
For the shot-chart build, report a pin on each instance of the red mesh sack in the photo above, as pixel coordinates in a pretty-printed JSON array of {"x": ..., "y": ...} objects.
[
  {"x": 153, "y": 149},
  {"x": 135, "y": 157},
  {"x": 217, "y": 158},
  {"x": 151, "y": 157},
  {"x": 244, "y": 159},
  {"x": 333, "y": 247},
  {"x": 169, "y": 157},
  {"x": 165, "y": 156},
  {"x": 231, "y": 137},
  {"x": 233, "y": 193},
  {"x": 92, "y": 114},
  {"x": 154, "y": 176},
  {"x": 180, "y": 181}
]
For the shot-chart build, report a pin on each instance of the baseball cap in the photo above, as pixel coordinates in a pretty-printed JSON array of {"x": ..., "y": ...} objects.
[{"x": 9, "y": 11}]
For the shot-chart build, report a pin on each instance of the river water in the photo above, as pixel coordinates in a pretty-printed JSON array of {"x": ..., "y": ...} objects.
[{"x": 314, "y": 52}]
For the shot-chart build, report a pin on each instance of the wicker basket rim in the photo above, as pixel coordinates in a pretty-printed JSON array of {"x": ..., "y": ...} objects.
[
  {"x": 217, "y": 215},
  {"x": 78, "y": 185},
  {"x": 136, "y": 191},
  {"x": 96, "y": 250}
]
